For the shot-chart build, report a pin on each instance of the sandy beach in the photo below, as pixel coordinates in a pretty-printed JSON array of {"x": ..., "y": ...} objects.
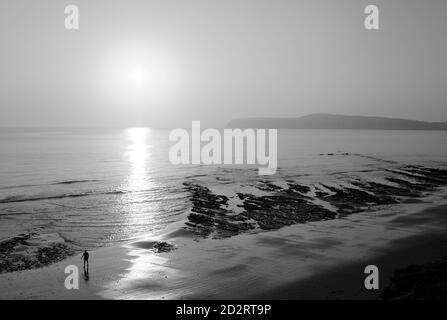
[
  {"x": 223, "y": 150},
  {"x": 317, "y": 260}
]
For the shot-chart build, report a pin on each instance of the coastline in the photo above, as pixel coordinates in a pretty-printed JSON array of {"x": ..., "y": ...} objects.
[
  {"x": 317, "y": 260},
  {"x": 346, "y": 281}
]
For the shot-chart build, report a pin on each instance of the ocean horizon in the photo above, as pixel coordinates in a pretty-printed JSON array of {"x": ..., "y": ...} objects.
[{"x": 104, "y": 186}]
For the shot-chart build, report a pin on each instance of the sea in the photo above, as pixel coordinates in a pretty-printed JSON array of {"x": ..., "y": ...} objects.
[{"x": 101, "y": 187}]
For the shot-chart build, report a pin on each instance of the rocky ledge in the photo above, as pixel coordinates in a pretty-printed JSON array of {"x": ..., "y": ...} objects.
[
  {"x": 30, "y": 251},
  {"x": 212, "y": 216},
  {"x": 418, "y": 282}
]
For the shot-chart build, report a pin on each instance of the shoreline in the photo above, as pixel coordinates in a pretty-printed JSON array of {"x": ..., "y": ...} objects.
[
  {"x": 318, "y": 260},
  {"x": 345, "y": 282}
]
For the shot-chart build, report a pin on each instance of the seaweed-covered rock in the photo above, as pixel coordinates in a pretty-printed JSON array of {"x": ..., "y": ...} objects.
[
  {"x": 161, "y": 246},
  {"x": 30, "y": 251},
  {"x": 424, "y": 282},
  {"x": 278, "y": 206}
]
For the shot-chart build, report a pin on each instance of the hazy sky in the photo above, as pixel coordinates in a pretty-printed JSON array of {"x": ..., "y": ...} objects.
[{"x": 166, "y": 62}]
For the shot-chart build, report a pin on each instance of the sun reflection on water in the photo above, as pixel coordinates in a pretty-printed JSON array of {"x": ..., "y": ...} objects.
[
  {"x": 138, "y": 156},
  {"x": 137, "y": 203},
  {"x": 145, "y": 203}
]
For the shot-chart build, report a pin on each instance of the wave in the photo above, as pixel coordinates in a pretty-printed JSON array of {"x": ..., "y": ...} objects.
[
  {"x": 75, "y": 181},
  {"x": 40, "y": 197},
  {"x": 21, "y": 186},
  {"x": 12, "y": 199},
  {"x": 48, "y": 184}
]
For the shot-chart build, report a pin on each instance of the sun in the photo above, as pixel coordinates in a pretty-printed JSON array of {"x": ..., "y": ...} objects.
[{"x": 138, "y": 74}]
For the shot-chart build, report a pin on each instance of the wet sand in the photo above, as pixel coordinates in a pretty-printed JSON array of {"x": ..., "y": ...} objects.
[
  {"x": 346, "y": 280},
  {"x": 317, "y": 260}
]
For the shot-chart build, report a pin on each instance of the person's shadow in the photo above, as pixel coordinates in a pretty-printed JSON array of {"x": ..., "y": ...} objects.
[{"x": 86, "y": 275}]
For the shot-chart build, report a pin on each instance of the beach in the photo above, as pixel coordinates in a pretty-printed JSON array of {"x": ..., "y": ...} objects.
[
  {"x": 154, "y": 231},
  {"x": 223, "y": 150},
  {"x": 309, "y": 261}
]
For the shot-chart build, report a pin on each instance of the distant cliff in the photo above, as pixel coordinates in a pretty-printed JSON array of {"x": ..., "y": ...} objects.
[{"x": 332, "y": 121}]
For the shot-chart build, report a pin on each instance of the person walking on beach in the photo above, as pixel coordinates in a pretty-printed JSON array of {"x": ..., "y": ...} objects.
[{"x": 85, "y": 256}]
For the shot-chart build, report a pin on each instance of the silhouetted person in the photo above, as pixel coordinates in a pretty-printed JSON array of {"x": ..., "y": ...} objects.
[{"x": 85, "y": 256}]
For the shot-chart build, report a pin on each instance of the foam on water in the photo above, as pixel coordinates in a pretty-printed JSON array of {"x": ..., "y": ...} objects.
[{"x": 100, "y": 187}]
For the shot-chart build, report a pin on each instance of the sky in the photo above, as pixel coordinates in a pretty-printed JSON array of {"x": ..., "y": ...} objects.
[{"x": 165, "y": 63}]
